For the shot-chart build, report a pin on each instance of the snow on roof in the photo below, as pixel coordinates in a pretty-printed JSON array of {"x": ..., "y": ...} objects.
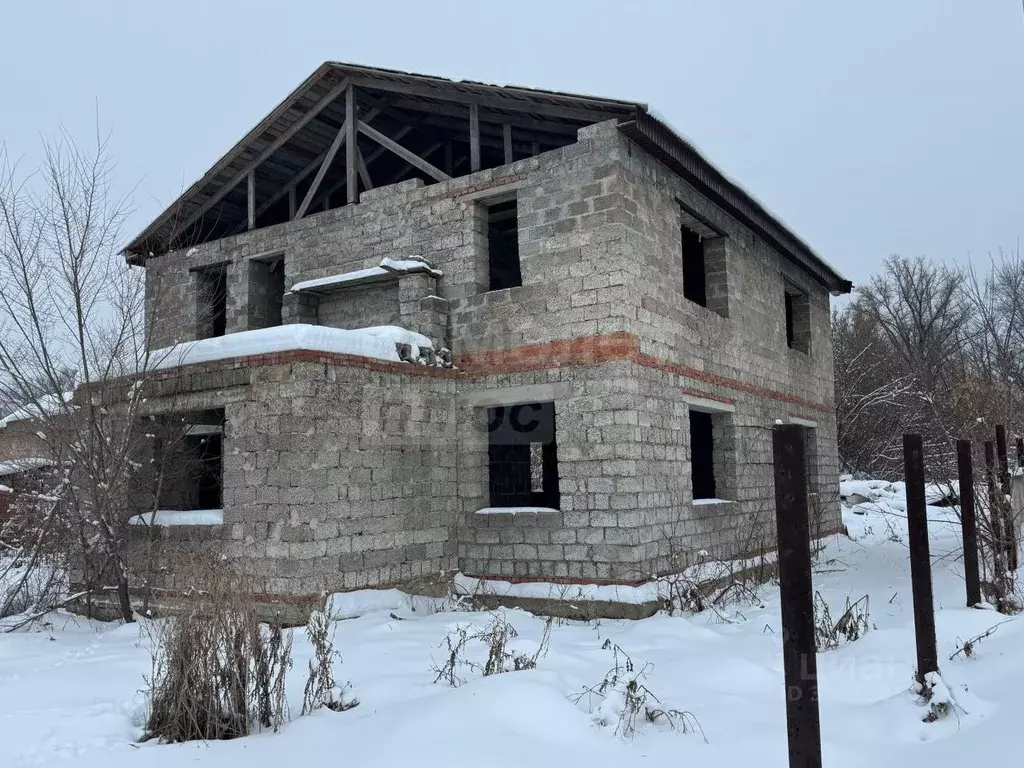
[
  {"x": 387, "y": 269},
  {"x": 16, "y": 466},
  {"x": 46, "y": 405},
  {"x": 180, "y": 517},
  {"x": 377, "y": 342}
]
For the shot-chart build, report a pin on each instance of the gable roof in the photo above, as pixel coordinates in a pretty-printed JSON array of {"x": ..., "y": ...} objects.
[{"x": 296, "y": 134}]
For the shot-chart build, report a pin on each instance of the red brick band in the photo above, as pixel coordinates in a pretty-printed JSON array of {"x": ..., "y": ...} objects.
[{"x": 563, "y": 353}]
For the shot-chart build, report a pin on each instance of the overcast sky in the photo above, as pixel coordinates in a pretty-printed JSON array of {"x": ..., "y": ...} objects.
[{"x": 870, "y": 127}]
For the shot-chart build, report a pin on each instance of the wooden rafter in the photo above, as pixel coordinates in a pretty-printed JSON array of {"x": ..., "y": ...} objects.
[
  {"x": 564, "y": 112},
  {"x": 506, "y": 135},
  {"x": 279, "y": 142},
  {"x": 377, "y": 153},
  {"x": 364, "y": 172},
  {"x": 458, "y": 112},
  {"x": 351, "y": 169},
  {"x": 425, "y": 154},
  {"x": 328, "y": 159},
  {"x": 291, "y": 186},
  {"x": 474, "y": 137},
  {"x": 433, "y": 171},
  {"x": 251, "y": 199}
]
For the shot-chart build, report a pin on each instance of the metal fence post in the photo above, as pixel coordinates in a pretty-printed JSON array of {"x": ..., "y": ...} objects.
[
  {"x": 920, "y": 558},
  {"x": 798, "y": 645},
  {"x": 995, "y": 518},
  {"x": 968, "y": 524},
  {"x": 1005, "y": 492}
]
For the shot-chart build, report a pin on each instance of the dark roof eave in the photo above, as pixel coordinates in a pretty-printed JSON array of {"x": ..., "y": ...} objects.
[{"x": 667, "y": 146}]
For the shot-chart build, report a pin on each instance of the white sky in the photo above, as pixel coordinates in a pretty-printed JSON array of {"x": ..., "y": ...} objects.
[{"x": 871, "y": 127}]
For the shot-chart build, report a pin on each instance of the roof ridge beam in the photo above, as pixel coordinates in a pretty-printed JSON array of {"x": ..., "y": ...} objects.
[{"x": 493, "y": 101}]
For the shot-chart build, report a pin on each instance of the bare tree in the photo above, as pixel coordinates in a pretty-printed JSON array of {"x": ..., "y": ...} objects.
[
  {"x": 69, "y": 302},
  {"x": 874, "y": 394}
]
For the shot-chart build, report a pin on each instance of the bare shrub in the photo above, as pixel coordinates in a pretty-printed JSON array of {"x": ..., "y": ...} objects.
[
  {"x": 624, "y": 700},
  {"x": 217, "y": 672},
  {"x": 497, "y": 638},
  {"x": 852, "y": 625},
  {"x": 711, "y": 583},
  {"x": 969, "y": 647},
  {"x": 321, "y": 690}
]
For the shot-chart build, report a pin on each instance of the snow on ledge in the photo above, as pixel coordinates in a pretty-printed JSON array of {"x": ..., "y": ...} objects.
[
  {"x": 409, "y": 266},
  {"x": 648, "y": 592},
  {"x": 46, "y": 405},
  {"x": 16, "y": 466},
  {"x": 167, "y": 517},
  {"x": 703, "y": 502},
  {"x": 661, "y": 588},
  {"x": 377, "y": 342},
  {"x": 515, "y": 511},
  {"x": 332, "y": 281},
  {"x": 387, "y": 269}
]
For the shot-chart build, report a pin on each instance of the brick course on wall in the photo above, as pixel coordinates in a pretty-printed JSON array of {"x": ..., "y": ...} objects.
[{"x": 342, "y": 472}]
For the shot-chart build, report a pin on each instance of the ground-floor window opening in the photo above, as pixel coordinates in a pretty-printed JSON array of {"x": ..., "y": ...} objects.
[
  {"x": 523, "y": 456},
  {"x": 189, "y": 461},
  {"x": 712, "y": 453},
  {"x": 702, "y": 453}
]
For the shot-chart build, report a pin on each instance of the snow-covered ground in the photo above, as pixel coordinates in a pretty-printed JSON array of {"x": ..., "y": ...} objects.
[{"x": 68, "y": 695}]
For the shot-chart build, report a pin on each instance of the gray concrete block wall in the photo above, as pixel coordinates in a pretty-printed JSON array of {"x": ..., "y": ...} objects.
[
  {"x": 334, "y": 478},
  {"x": 747, "y": 346},
  {"x": 361, "y": 307},
  {"x": 572, "y": 253},
  {"x": 595, "y": 534},
  {"x": 600, "y": 253}
]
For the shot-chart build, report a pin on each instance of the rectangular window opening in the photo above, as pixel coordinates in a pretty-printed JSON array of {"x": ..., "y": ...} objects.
[
  {"x": 266, "y": 292},
  {"x": 523, "y": 456},
  {"x": 798, "y": 319},
  {"x": 790, "y": 333},
  {"x": 211, "y": 303},
  {"x": 189, "y": 461},
  {"x": 503, "y": 244},
  {"x": 702, "y": 455},
  {"x": 695, "y": 281}
]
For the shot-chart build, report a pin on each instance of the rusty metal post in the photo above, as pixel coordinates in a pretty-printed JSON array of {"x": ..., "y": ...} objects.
[
  {"x": 1004, "y": 461},
  {"x": 920, "y": 558},
  {"x": 798, "y": 645},
  {"x": 968, "y": 524},
  {"x": 1005, "y": 491},
  {"x": 994, "y": 518},
  {"x": 990, "y": 470}
]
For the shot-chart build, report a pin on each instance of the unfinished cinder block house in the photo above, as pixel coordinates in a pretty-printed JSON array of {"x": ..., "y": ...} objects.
[{"x": 581, "y": 335}]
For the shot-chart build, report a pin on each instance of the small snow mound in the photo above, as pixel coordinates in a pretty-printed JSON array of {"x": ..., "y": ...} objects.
[
  {"x": 172, "y": 517},
  {"x": 352, "y": 605}
]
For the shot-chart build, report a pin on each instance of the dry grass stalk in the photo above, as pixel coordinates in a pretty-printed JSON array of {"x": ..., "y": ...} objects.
[{"x": 321, "y": 690}]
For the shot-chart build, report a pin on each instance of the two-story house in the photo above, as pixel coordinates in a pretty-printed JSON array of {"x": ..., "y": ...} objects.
[{"x": 581, "y": 336}]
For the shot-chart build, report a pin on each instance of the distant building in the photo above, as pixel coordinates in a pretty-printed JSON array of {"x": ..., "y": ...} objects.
[{"x": 625, "y": 324}]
